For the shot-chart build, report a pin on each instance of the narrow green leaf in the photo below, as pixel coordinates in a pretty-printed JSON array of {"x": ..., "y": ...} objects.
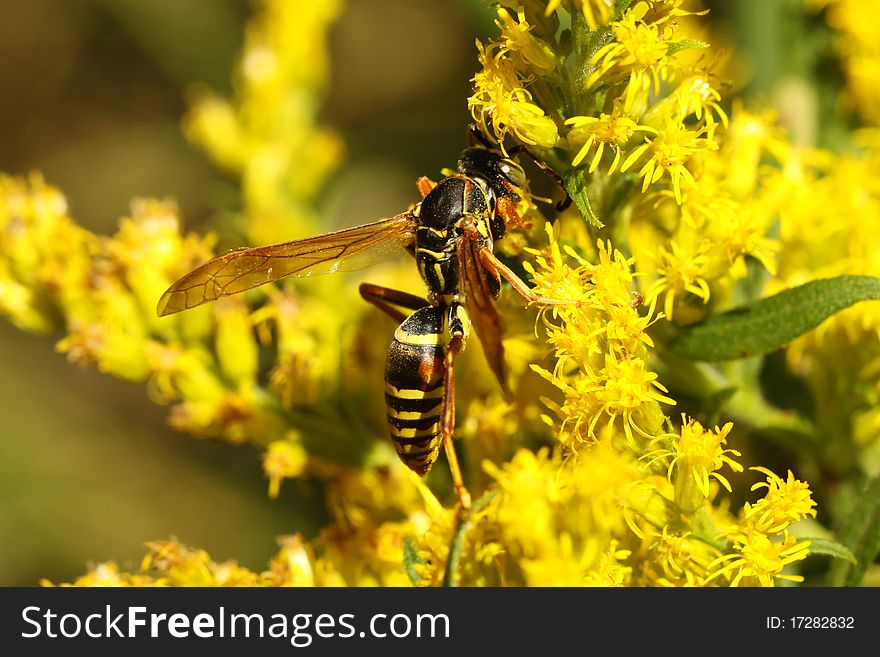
[
  {"x": 576, "y": 186},
  {"x": 771, "y": 323},
  {"x": 861, "y": 536},
  {"x": 685, "y": 44},
  {"x": 829, "y": 547},
  {"x": 411, "y": 559}
]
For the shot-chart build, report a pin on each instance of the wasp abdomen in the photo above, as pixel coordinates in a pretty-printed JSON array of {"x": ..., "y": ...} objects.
[{"x": 414, "y": 377}]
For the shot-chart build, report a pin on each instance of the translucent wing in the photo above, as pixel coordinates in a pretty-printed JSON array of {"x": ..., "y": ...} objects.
[
  {"x": 246, "y": 268},
  {"x": 481, "y": 306}
]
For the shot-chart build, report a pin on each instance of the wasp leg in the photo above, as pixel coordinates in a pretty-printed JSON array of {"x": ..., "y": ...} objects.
[
  {"x": 384, "y": 298},
  {"x": 456, "y": 346},
  {"x": 491, "y": 262}
]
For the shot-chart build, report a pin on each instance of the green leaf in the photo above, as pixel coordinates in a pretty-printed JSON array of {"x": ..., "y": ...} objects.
[
  {"x": 411, "y": 559},
  {"x": 576, "y": 185},
  {"x": 771, "y": 323},
  {"x": 685, "y": 44},
  {"x": 829, "y": 547},
  {"x": 862, "y": 536}
]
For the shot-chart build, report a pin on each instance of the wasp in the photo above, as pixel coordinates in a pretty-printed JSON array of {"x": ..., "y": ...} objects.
[{"x": 450, "y": 233}]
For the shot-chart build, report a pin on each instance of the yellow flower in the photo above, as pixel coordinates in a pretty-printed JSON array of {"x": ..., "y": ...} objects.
[
  {"x": 610, "y": 571},
  {"x": 760, "y": 560},
  {"x": 179, "y": 565},
  {"x": 613, "y": 130},
  {"x": 670, "y": 149},
  {"x": 501, "y": 104},
  {"x": 596, "y": 12},
  {"x": 518, "y": 38},
  {"x": 785, "y": 502},
  {"x": 638, "y": 51},
  {"x": 293, "y": 565},
  {"x": 696, "y": 456},
  {"x": 855, "y": 23},
  {"x": 561, "y": 522},
  {"x": 661, "y": 12},
  {"x": 680, "y": 272},
  {"x": 682, "y": 559},
  {"x": 284, "y": 459},
  {"x": 696, "y": 95}
]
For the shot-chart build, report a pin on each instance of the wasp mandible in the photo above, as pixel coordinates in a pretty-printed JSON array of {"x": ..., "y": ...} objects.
[{"x": 451, "y": 234}]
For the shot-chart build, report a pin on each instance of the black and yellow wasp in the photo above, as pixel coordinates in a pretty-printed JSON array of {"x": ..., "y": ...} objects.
[{"x": 451, "y": 233}]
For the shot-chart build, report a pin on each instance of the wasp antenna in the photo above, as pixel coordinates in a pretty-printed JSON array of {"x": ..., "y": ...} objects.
[
  {"x": 477, "y": 136},
  {"x": 519, "y": 149}
]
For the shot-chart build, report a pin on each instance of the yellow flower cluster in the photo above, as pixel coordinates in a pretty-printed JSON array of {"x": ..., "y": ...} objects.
[
  {"x": 267, "y": 134},
  {"x": 856, "y": 41},
  {"x": 630, "y": 104},
  {"x": 601, "y": 348},
  {"x": 829, "y": 209},
  {"x": 103, "y": 291}
]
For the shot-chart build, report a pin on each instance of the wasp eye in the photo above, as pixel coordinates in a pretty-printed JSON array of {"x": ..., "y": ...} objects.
[{"x": 512, "y": 172}]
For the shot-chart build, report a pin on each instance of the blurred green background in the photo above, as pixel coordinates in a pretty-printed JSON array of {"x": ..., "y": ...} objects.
[{"x": 93, "y": 92}]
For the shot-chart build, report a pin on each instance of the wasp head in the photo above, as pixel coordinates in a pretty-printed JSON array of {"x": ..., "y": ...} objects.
[{"x": 500, "y": 175}]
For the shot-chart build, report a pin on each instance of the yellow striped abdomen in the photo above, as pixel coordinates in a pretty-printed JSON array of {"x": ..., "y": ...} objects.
[{"x": 414, "y": 378}]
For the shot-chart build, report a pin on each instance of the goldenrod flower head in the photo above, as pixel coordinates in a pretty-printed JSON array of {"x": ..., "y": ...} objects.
[
  {"x": 501, "y": 104},
  {"x": 604, "y": 337},
  {"x": 619, "y": 390},
  {"x": 749, "y": 138},
  {"x": 145, "y": 247},
  {"x": 560, "y": 521},
  {"x": 677, "y": 559},
  {"x": 215, "y": 126},
  {"x": 284, "y": 459},
  {"x": 696, "y": 95},
  {"x": 680, "y": 272},
  {"x": 638, "y": 51},
  {"x": 104, "y": 574},
  {"x": 696, "y": 457},
  {"x": 596, "y": 12},
  {"x": 661, "y": 12},
  {"x": 669, "y": 152},
  {"x": 517, "y": 38},
  {"x": 610, "y": 570},
  {"x": 758, "y": 560},
  {"x": 735, "y": 236},
  {"x": 293, "y": 565},
  {"x": 529, "y": 479},
  {"x": 785, "y": 502},
  {"x": 115, "y": 347},
  {"x": 613, "y": 130},
  {"x": 44, "y": 257},
  {"x": 178, "y": 565}
]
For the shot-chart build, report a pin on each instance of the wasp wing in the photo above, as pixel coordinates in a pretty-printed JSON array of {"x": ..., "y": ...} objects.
[
  {"x": 481, "y": 305},
  {"x": 249, "y": 267}
]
